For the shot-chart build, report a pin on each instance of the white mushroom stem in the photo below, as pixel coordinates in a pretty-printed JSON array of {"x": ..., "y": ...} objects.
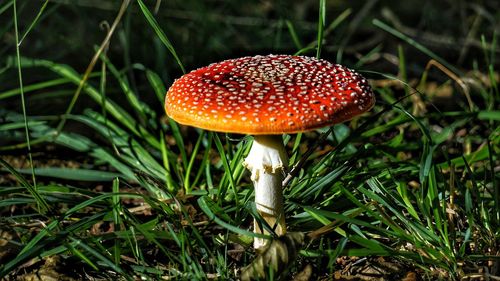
[{"x": 267, "y": 161}]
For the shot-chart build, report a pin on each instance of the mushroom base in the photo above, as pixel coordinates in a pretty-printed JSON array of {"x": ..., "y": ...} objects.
[{"x": 267, "y": 162}]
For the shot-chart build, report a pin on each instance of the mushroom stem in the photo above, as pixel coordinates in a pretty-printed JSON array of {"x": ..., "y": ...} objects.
[{"x": 267, "y": 161}]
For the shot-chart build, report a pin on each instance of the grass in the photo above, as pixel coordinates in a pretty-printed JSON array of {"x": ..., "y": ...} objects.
[{"x": 104, "y": 186}]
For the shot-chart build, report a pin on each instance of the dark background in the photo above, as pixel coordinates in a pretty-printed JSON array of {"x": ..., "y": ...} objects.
[{"x": 208, "y": 31}]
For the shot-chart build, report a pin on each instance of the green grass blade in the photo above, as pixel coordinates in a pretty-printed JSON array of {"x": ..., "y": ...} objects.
[
  {"x": 141, "y": 109},
  {"x": 321, "y": 26},
  {"x": 43, "y": 206},
  {"x": 34, "y": 87},
  {"x": 171, "y": 187},
  {"x": 293, "y": 34},
  {"x": 99, "y": 256},
  {"x": 227, "y": 169},
  {"x": 113, "y": 108},
  {"x": 6, "y": 6},
  {"x": 205, "y": 204},
  {"x": 34, "y": 22},
  {"x": 78, "y": 174},
  {"x": 415, "y": 44},
  {"x": 179, "y": 141},
  {"x": 157, "y": 85},
  {"x": 159, "y": 32},
  {"x": 187, "y": 184}
]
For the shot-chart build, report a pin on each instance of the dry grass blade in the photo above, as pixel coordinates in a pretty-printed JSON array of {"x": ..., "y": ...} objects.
[{"x": 91, "y": 65}]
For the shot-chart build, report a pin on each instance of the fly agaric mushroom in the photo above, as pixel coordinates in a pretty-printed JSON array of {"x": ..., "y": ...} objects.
[{"x": 266, "y": 96}]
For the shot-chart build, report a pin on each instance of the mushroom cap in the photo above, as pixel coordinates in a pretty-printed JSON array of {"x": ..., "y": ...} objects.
[{"x": 272, "y": 94}]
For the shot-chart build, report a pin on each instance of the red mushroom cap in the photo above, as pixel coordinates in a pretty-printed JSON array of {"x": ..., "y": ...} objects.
[{"x": 271, "y": 94}]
